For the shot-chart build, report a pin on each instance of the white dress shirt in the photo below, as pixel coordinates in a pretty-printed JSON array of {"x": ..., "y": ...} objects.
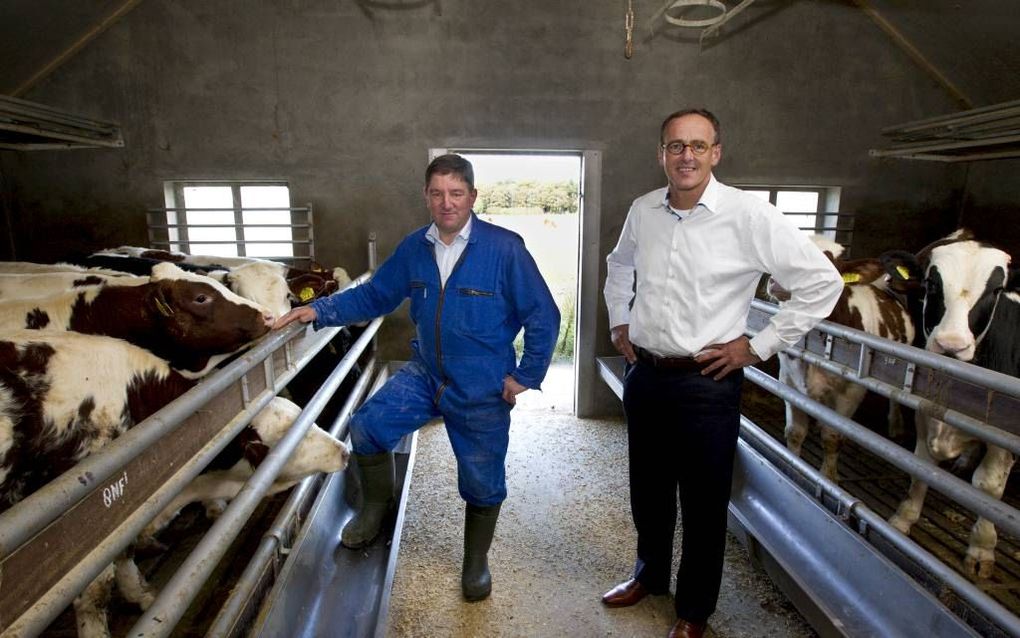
[
  {"x": 447, "y": 256},
  {"x": 696, "y": 276}
]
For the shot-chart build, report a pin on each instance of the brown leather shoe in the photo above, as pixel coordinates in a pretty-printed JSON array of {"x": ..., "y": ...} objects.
[
  {"x": 625, "y": 594},
  {"x": 685, "y": 629}
]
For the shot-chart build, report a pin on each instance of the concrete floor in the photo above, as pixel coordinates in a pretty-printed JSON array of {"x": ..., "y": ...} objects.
[{"x": 564, "y": 537}]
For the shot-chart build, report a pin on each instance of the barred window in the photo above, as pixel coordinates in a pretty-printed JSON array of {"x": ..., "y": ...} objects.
[
  {"x": 232, "y": 219},
  {"x": 815, "y": 210}
]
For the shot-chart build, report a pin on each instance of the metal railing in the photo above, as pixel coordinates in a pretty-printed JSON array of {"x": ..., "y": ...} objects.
[
  {"x": 66, "y": 500},
  {"x": 173, "y": 600},
  {"x": 915, "y": 378}
]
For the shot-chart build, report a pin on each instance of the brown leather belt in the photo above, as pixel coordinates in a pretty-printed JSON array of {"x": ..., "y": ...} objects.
[{"x": 666, "y": 363}]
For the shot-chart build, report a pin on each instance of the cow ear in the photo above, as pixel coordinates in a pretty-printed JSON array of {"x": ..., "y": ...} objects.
[
  {"x": 252, "y": 447},
  {"x": 903, "y": 269},
  {"x": 162, "y": 297}
]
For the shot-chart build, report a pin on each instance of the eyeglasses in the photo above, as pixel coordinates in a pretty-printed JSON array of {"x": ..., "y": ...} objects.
[{"x": 698, "y": 147}]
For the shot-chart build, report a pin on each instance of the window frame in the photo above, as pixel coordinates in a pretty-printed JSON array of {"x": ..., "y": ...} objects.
[
  {"x": 827, "y": 215},
  {"x": 171, "y": 232}
]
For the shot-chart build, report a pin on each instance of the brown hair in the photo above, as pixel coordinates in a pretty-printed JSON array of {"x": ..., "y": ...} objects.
[{"x": 451, "y": 164}]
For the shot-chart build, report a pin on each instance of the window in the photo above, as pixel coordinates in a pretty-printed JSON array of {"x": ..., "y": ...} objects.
[
  {"x": 812, "y": 209},
  {"x": 232, "y": 219}
]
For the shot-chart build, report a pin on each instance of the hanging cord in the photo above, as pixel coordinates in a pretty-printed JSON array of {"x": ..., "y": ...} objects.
[{"x": 628, "y": 23}]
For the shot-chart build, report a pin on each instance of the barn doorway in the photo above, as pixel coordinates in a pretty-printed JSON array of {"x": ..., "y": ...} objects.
[{"x": 538, "y": 195}]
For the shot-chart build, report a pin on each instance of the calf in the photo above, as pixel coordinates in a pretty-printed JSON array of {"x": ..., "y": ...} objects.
[
  {"x": 258, "y": 280},
  {"x": 971, "y": 312},
  {"x": 66, "y": 395},
  {"x": 865, "y": 304},
  {"x": 184, "y": 318},
  {"x": 227, "y": 474},
  {"x": 304, "y": 285}
]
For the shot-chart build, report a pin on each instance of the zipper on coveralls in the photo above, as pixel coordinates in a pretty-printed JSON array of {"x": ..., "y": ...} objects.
[{"x": 439, "y": 317}]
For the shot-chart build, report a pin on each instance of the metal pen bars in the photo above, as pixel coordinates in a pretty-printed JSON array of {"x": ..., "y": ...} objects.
[
  {"x": 173, "y": 600},
  {"x": 193, "y": 431}
]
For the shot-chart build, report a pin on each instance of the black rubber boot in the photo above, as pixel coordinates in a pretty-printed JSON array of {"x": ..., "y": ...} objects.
[
  {"x": 376, "y": 474},
  {"x": 479, "y": 526}
]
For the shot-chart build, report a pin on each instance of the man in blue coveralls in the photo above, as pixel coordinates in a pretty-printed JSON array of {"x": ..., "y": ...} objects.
[{"x": 473, "y": 286}]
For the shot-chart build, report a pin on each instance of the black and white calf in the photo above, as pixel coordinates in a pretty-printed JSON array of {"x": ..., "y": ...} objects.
[{"x": 972, "y": 313}]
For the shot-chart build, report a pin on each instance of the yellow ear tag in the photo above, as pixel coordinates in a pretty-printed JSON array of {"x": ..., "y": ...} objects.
[
  {"x": 306, "y": 294},
  {"x": 903, "y": 272},
  {"x": 851, "y": 277}
]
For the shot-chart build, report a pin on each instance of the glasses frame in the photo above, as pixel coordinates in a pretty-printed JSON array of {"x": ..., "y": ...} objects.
[{"x": 685, "y": 145}]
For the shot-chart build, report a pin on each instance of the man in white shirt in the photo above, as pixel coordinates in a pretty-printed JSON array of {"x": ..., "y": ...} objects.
[{"x": 696, "y": 250}]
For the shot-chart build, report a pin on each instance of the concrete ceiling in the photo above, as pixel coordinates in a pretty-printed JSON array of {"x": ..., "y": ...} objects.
[{"x": 971, "y": 43}]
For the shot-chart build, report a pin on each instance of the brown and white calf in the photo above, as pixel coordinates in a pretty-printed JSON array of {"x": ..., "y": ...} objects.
[
  {"x": 972, "y": 313},
  {"x": 66, "y": 395},
  {"x": 190, "y": 320},
  {"x": 865, "y": 304}
]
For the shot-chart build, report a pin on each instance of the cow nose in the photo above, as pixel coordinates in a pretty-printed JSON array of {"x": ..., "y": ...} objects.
[
  {"x": 345, "y": 455},
  {"x": 952, "y": 343},
  {"x": 269, "y": 318}
]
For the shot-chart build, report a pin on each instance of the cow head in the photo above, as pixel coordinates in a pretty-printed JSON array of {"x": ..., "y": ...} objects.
[
  {"x": 310, "y": 285},
  {"x": 962, "y": 282},
  {"x": 263, "y": 282},
  {"x": 317, "y": 452},
  {"x": 201, "y": 317}
]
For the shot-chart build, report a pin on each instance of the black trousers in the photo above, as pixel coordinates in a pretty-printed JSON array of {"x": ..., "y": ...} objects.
[{"x": 682, "y": 432}]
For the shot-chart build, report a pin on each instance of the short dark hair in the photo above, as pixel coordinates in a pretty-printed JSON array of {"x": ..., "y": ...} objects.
[
  {"x": 705, "y": 113},
  {"x": 451, "y": 164}
]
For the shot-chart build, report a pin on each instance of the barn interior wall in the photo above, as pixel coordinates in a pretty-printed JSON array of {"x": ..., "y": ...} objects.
[
  {"x": 991, "y": 206},
  {"x": 343, "y": 99}
]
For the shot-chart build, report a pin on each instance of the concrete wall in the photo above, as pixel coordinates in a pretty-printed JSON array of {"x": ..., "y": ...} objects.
[
  {"x": 343, "y": 100},
  {"x": 992, "y": 204}
]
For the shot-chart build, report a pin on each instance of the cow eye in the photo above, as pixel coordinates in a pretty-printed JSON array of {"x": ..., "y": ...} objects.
[{"x": 201, "y": 298}]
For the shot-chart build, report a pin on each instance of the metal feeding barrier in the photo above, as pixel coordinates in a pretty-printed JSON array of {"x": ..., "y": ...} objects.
[
  {"x": 847, "y": 570},
  {"x": 67, "y": 532}
]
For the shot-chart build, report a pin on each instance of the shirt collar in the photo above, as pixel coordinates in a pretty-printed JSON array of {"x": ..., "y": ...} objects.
[
  {"x": 432, "y": 234},
  {"x": 708, "y": 200}
]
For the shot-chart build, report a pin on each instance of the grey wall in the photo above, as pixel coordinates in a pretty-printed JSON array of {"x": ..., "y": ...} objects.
[
  {"x": 343, "y": 100},
  {"x": 992, "y": 204}
]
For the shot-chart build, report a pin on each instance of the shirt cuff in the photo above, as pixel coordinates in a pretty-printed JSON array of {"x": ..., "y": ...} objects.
[
  {"x": 619, "y": 317},
  {"x": 766, "y": 343}
]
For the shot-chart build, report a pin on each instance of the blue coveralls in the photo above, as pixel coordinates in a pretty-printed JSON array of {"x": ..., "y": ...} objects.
[{"x": 463, "y": 350}]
